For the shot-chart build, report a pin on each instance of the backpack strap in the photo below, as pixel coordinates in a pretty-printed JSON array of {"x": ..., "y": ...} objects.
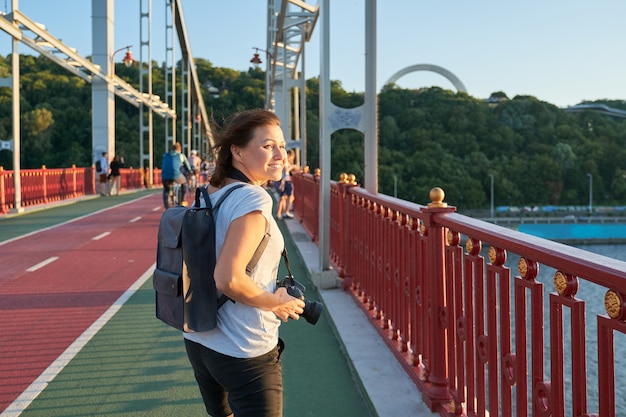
[
  {"x": 255, "y": 259},
  {"x": 202, "y": 191},
  {"x": 259, "y": 251}
]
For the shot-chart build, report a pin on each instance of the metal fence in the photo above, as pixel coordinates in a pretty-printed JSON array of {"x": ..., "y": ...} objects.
[
  {"x": 478, "y": 337},
  {"x": 47, "y": 185}
]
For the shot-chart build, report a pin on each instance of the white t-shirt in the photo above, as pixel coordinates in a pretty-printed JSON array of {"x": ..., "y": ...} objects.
[
  {"x": 104, "y": 165},
  {"x": 194, "y": 161},
  {"x": 243, "y": 331}
]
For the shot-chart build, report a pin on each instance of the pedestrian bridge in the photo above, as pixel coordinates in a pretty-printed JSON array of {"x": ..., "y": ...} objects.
[{"x": 483, "y": 319}]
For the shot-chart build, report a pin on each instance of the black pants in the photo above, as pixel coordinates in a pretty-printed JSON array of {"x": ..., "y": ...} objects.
[{"x": 251, "y": 387}]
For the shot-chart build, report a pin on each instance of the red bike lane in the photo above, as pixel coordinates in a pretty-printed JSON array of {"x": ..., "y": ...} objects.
[{"x": 55, "y": 283}]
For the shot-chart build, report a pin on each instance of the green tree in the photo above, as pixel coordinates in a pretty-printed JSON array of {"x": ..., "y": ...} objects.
[{"x": 537, "y": 153}]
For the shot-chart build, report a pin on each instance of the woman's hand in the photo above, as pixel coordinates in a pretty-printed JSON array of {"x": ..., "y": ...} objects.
[{"x": 289, "y": 306}]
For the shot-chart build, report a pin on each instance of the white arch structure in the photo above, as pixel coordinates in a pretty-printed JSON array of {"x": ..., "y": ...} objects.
[{"x": 429, "y": 67}]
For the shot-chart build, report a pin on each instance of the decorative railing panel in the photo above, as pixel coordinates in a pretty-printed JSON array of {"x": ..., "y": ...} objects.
[
  {"x": 476, "y": 337},
  {"x": 48, "y": 185},
  {"x": 307, "y": 207}
]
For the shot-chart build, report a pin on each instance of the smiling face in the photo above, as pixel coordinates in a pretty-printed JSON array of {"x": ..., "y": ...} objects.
[{"x": 263, "y": 157}]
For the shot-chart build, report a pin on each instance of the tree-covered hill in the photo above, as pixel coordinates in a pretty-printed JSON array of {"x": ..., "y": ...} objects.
[{"x": 537, "y": 153}]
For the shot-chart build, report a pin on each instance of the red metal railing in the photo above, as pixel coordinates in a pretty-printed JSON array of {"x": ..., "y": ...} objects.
[
  {"x": 46, "y": 185},
  {"x": 476, "y": 340}
]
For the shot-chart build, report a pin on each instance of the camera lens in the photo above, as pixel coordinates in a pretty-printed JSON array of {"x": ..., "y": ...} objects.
[{"x": 312, "y": 311}]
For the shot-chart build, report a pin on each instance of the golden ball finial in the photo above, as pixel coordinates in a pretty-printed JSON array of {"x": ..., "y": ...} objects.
[
  {"x": 352, "y": 179},
  {"x": 317, "y": 172},
  {"x": 614, "y": 305},
  {"x": 436, "y": 196},
  {"x": 343, "y": 178}
]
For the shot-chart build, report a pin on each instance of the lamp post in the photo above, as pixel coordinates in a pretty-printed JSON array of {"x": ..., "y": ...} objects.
[
  {"x": 128, "y": 59},
  {"x": 491, "y": 176},
  {"x": 269, "y": 87},
  {"x": 395, "y": 186},
  {"x": 590, "y": 192}
]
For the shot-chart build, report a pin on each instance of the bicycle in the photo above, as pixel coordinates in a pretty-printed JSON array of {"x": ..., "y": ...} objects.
[
  {"x": 174, "y": 196},
  {"x": 192, "y": 181}
]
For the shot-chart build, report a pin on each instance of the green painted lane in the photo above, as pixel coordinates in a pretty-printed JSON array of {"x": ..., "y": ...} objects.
[{"x": 137, "y": 366}]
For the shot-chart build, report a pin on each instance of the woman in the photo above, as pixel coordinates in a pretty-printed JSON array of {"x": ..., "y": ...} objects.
[
  {"x": 237, "y": 364},
  {"x": 115, "y": 176},
  {"x": 285, "y": 189}
]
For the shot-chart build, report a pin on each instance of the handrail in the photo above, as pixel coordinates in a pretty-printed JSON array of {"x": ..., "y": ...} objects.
[
  {"x": 47, "y": 185},
  {"x": 475, "y": 337}
]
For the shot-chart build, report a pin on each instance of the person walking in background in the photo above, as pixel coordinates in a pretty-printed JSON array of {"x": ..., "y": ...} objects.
[
  {"x": 291, "y": 160},
  {"x": 115, "y": 176},
  {"x": 102, "y": 170},
  {"x": 171, "y": 173},
  {"x": 237, "y": 365},
  {"x": 285, "y": 189},
  {"x": 194, "y": 163},
  {"x": 204, "y": 170}
]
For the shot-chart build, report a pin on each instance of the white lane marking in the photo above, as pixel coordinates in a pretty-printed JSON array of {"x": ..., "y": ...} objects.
[
  {"x": 42, "y": 264},
  {"x": 157, "y": 208},
  {"x": 100, "y": 236},
  {"x": 29, "y": 394},
  {"x": 4, "y": 242},
  {"x": 136, "y": 219}
]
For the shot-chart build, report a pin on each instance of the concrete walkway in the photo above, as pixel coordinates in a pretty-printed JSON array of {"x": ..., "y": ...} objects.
[{"x": 391, "y": 392}]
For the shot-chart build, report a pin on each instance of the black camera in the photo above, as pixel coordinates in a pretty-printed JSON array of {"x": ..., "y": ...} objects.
[{"x": 312, "y": 309}]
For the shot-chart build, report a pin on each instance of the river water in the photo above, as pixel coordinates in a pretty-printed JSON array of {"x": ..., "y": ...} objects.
[{"x": 593, "y": 295}]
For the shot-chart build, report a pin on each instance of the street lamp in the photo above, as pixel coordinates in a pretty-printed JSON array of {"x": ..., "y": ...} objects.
[
  {"x": 127, "y": 60},
  {"x": 269, "y": 76},
  {"x": 590, "y": 192},
  {"x": 491, "y": 176},
  {"x": 256, "y": 59},
  {"x": 395, "y": 186}
]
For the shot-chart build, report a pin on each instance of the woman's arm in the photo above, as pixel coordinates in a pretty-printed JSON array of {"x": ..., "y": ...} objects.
[{"x": 242, "y": 239}]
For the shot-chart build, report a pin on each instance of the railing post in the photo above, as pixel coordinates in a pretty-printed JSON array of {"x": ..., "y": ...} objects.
[
  {"x": 316, "y": 205},
  {"x": 343, "y": 227},
  {"x": 438, "y": 320},
  {"x": 347, "y": 234},
  {"x": 91, "y": 188},
  {"x": 74, "y": 185},
  {"x": 44, "y": 191},
  {"x": 3, "y": 208}
]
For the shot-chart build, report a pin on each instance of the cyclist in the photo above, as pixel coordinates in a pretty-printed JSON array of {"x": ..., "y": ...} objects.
[{"x": 171, "y": 173}]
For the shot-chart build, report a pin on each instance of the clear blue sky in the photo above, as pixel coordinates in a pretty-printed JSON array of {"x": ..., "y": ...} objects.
[{"x": 561, "y": 51}]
